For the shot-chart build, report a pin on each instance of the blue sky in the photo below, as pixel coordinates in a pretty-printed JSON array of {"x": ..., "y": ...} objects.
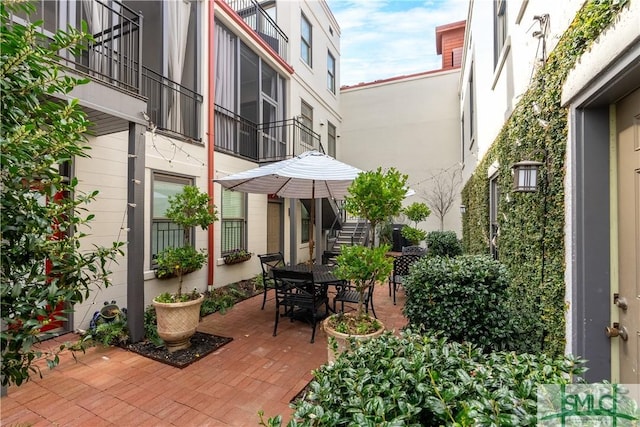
[{"x": 388, "y": 38}]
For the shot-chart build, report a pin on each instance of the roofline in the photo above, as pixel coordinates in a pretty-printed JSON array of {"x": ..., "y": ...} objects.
[{"x": 399, "y": 78}]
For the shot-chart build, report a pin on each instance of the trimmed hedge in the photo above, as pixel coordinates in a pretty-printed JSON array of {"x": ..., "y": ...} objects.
[
  {"x": 463, "y": 298},
  {"x": 428, "y": 381},
  {"x": 443, "y": 243}
]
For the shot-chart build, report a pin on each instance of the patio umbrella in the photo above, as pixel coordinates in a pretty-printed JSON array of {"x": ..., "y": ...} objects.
[{"x": 309, "y": 175}]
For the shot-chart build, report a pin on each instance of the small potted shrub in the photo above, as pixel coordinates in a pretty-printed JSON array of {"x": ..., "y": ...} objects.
[
  {"x": 376, "y": 196},
  {"x": 362, "y": 267},
  {"x": 416, "y": 212},
  {"x": 178, "y": 313}
]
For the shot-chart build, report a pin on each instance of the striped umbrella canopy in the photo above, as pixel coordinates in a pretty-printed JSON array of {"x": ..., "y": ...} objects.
[{"x": 307, "y": 176}]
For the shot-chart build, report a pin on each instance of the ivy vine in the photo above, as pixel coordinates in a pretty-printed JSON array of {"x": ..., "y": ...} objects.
[{"x": 531, "y": 238}]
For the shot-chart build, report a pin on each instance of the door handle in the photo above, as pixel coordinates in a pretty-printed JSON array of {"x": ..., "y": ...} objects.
[
  {"x": 621, "y": 302},
  {"x": 617, "y": 331}
]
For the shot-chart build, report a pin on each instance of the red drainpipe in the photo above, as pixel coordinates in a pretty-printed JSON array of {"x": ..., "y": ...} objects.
[{"x": 210, "y": 134}]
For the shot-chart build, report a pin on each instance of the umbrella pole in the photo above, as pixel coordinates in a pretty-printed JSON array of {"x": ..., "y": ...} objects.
[{"x": 311, "y": 220}]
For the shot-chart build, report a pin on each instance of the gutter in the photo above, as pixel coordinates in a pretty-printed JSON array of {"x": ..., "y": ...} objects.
[{"x": 210, "y": 137}]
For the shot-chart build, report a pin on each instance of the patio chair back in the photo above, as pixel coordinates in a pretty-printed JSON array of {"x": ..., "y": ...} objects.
[
  {"x": 268, "y": 262},
  {"x": 401, "y": 266},
  {"x": 300, "y": 297},
  {"x": 348, "y": 293},
  {"x": 413, "y": 250}
]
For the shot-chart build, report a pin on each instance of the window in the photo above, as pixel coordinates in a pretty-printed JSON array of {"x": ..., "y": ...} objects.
[
  {"x": 331, "y": 140},
  {"x": 305, "y": 40},
  {"x": 499, "y": 28},
  {"x": 494, "y": 231},
  {"x": 233, "y": 221},
  {"x": 304, "y": 219},
  {"x": 331, "y": 73},
  {"x": 165, "y": 233},
  {"x": 306, "y": 119}
]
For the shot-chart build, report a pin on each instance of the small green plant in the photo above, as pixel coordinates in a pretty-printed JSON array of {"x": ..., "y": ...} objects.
[
  {"x": 415, "y": 212},
  {"x": 111, "y": 333},
  {"x": 443, "y": 243},
  {"x": 464, "y": 298},
  {"x": 181, "y": 260},
  {"x": 151, "y": 328},
  {"x": 167, "y": 297},
  {"x": 363, "y": 267},
  {"x": 217, "y": 302}
]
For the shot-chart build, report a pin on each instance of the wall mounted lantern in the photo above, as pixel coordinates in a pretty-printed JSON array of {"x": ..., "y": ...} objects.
[
  {"x": 525, "y": 175},
  {"x": 463, "y": 209}
]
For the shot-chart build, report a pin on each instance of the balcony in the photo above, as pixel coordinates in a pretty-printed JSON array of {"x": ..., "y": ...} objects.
[
  {"x": 114, "y": 55},
  {"x": 172, "y": 107},
  {"x": 265, "y": 142},
  {"x": 259, "y": 20}
]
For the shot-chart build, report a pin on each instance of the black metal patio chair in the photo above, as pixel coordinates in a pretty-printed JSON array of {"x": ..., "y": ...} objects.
[
  {"x": 348, "y": 293},
  {"x": 269, "y": 262},
  {"x": 401, "y": 265},
  {"x": 300, "y": 297}
]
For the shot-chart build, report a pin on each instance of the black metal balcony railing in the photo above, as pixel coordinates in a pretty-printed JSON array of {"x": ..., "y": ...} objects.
[
  {"x": 265, "y": 142},
  {"x": 259, "y": 20},
  {"x": 287, "y": 138},
  {"x": 171, "y": 106},
  {"x": 114, "y": 54},
  {"x": 235, "y": 134}
]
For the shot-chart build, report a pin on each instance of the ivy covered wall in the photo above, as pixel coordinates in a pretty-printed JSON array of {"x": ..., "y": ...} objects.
[{"x": 531, "y": 233}]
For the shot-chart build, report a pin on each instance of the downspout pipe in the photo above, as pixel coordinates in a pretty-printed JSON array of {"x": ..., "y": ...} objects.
[{"x": 210, "y": 134}]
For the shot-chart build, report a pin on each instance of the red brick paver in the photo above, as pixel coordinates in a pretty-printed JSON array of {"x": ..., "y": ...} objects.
[{"x": 256, "y": 371}]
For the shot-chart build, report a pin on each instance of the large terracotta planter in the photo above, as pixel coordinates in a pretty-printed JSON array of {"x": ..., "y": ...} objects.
[
  {"x": 343, "y": 339},
  {"x": 177, "y": 322}
]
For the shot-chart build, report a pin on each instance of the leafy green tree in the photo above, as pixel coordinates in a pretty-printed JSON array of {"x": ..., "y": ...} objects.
[
  {"x": 376, "y": 196},
  {"x": 188, "y": 209},
  {"x": 43, "y": 265}
]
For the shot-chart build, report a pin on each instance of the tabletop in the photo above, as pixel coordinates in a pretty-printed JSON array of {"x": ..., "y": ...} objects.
[{"x": 321, "y": 273}]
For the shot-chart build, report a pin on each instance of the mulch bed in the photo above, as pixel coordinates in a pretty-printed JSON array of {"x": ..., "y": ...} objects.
[{"x": 201, "y": 345}]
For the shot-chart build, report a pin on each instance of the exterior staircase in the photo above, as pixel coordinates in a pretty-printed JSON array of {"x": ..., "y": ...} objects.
[{"x": 353, "y": 232}]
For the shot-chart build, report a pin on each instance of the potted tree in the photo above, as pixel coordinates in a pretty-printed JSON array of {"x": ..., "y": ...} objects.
[
  {"x": 178, "y": 313},
  {"x": 415, "y": 212},
  {"x": 374, "y": 196}
]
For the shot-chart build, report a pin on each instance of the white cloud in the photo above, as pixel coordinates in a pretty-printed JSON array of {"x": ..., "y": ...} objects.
[{"x": 388, "y": 38}]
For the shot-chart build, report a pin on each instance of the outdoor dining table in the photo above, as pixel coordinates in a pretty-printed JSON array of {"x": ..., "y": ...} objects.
[{"x": 322, "y": 274}]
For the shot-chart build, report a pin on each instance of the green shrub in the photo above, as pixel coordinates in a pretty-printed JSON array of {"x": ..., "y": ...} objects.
[
  {"x": 111, "y": 333},
  {"x": 151, "y": 328},
  {"x": 217, "y": 302},
  {"x": 464, "y": 297},
  {"x": 421, "y": 380},
  {"x": 443, "y": 243},
  {"x": 413, "y": 235}
]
